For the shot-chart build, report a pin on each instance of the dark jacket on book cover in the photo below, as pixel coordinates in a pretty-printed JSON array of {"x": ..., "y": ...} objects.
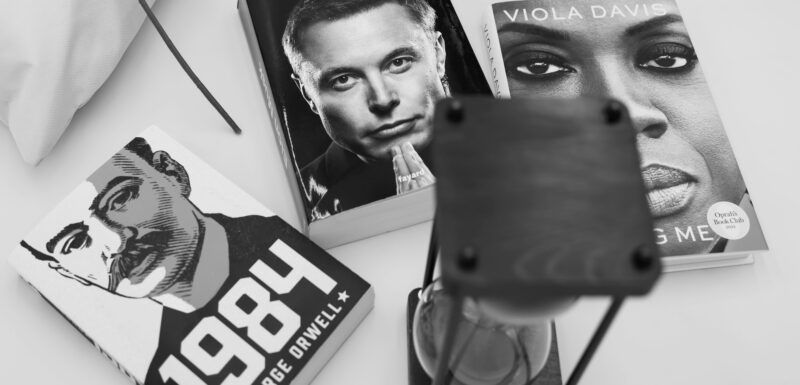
[{"x": 269, "y": 318}]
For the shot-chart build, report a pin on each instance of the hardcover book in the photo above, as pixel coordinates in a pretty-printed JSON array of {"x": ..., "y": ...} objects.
[
  {"x": 179, "y": 277},
  {"x": 638, "y": 52},
  {"x": 350, "y": 87}
]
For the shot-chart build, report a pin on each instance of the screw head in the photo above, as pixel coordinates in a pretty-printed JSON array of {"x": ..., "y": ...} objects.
[
  {"x": 643, "y": 258},
  {"x": 468, "y": 259},
  {"x": 613, "y": 112},
  {"x": 455, "y": 111}
]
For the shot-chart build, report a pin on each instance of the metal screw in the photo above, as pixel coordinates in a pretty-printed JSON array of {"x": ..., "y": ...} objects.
[
  {"x": 455, "y": 111},
  {"x": 613, "y": 112},
  {"x": 468, "y": 259},
  {"x": 643, "y": 258}
]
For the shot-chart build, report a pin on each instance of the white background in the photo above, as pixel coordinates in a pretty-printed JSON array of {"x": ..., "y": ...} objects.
[{"x": 725, "y": 326}]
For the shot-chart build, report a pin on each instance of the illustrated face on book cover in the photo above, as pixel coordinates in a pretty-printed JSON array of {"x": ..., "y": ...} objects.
[
  {"x": 372, "y": 72},
  {"x": 132, "y": 231},
  {"x": 638, "y": 52}
]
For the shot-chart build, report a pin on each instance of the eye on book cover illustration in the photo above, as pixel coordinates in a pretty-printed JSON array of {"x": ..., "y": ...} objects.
[
  {"x": 640, "y": 53},
  {"x": 181, "y": 278}
]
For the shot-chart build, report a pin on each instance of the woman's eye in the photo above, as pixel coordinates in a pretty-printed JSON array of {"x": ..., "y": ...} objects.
[
  {"x": 536, "y": 66},
  {"x": 667, "y": 62},
  {"x": 79, "y": 240},
  {"x": 121, "y": 198},
  {"x": 540, "y": 69},
  {"x": 667, "y": 57}
]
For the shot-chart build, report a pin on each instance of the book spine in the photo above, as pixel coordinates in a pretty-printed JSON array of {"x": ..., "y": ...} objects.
[
  {"x": 275, "y": 120},
  {"x": 465, "y": 75},
  {"x": 498, "y": 81},
  {"x": 97, "y": 346}
]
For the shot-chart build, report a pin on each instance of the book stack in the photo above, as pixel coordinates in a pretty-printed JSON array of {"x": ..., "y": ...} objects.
[
  {"x": 358, "y": 171},
  {"x": 179, "y": 277}
]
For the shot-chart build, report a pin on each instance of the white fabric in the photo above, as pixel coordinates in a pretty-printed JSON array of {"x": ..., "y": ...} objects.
[{"x": 54, "y": 55}]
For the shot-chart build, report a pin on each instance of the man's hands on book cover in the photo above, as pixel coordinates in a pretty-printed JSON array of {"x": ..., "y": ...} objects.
[{"x": 410, "y": 170}]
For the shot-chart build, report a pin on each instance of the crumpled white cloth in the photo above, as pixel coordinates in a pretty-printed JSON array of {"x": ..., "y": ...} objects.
[{"x": 54, "y": 55}]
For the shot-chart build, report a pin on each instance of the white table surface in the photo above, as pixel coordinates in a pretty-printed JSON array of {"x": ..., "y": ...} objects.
[{"x": 725, "y": 326}]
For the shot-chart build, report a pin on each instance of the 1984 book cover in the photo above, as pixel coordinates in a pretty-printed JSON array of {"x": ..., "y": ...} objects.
[
  {"x": 181, "y": 278},
  {"x": 351, "y": 86},
  {"x": 638, "y": 52}
]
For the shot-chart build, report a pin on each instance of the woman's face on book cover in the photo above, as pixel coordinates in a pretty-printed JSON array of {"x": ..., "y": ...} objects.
[
  {"x": 373, "y": 78},
  {"x": 639, "y": 53}
]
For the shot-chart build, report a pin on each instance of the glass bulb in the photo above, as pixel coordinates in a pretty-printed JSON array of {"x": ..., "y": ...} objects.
[{"x": 486, "y": 350}]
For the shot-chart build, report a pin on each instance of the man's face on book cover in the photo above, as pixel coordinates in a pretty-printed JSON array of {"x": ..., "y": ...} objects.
[
  {"x": 374, "y": 78},
  {"x": 129, "y": 228},
  {"x": 638, "y": 52}
]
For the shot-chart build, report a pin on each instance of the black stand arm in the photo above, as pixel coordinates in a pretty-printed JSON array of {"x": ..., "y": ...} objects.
[
  {"x": 433, "y": 253},
  {"x": 598, "y": 336}
]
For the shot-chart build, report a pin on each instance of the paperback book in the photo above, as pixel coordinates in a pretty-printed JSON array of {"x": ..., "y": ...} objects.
[
  {"x": 638, "y": 52},
  {"x": 350, "y": 87},
  {"x": 179, "y": 277}
]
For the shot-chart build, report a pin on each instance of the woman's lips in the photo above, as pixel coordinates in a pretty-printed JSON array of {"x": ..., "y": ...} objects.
[
  {"x": 394, "y": 129},
  {"x": 668, "y": 190}
]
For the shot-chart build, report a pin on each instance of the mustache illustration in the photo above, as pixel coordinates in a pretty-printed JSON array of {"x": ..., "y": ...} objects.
[{"x": 135, "y": 252}]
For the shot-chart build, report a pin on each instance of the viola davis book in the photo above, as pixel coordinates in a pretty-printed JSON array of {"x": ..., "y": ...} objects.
[
  {"x": 640, "y": 53},
  {"x": 179, "y": 277},
  {"x": 350, "y": 87}
]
